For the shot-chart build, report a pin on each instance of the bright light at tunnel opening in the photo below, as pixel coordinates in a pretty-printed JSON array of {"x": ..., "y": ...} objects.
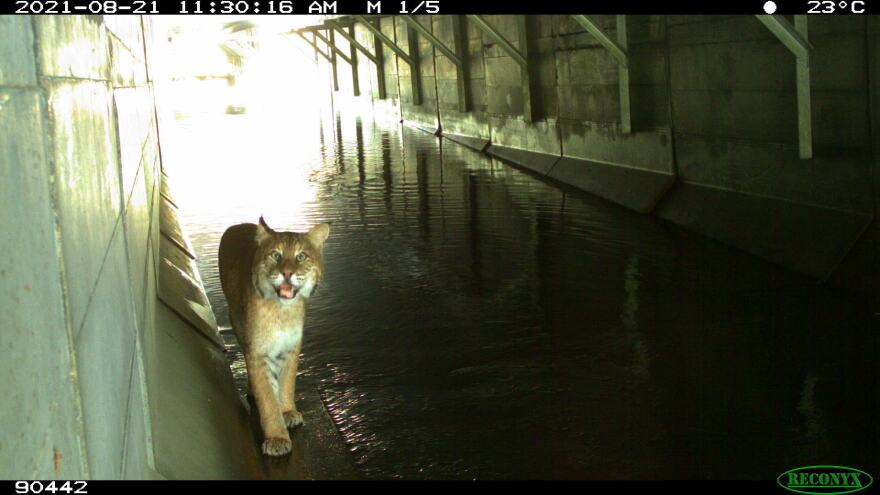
[{"x": 233, "y": 135}]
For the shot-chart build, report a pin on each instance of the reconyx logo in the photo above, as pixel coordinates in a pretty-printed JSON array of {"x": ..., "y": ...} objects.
[{"x": 826, "y": 480}]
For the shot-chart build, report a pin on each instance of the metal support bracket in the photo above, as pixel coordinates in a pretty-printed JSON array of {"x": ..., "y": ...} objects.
[
  {"x": 505, "y": 45},
  {"x": 332, "y": 44},
  {"x": 350, "y": 58},
  {"x": 618, "y": 50},
  {"x": 519, "y": 55},
  {"x": 384, "y": 39},
  {"x": 412, "y": 62},
  {"x": 353, "y": 56},
  {"x": 795, "y": 38},
  {"x": 432, "y": 39},
  {"x": 315, "y": 46},
  {"x": 352, "y": 40},
  {"x": 377, "y": 61},
  {"x": 455, "y": 58}
]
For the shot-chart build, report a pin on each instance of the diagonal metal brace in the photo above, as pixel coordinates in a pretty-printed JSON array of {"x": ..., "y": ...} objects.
[
  {"x": 432, "y": 39},
  {"x": 788, "y": 35},
  {"x": 333, "y": 47},
  {"x": 795, "y": 39},
  {"x": 617, "y": 51},
  {"x": 385, "y": 40},
  {"x": 350, "y": 39},
  {"x": 314, "y": 45},
  {"x": 502, "y": 41}
]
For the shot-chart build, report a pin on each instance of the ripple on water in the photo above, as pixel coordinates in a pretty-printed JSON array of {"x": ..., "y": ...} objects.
[{"x": 475, "y": 322}]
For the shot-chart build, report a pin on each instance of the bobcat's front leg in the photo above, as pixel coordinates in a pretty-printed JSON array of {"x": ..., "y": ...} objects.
[
  {"x": 292, "y": 417},
  {"x": 264, "y": 385}
]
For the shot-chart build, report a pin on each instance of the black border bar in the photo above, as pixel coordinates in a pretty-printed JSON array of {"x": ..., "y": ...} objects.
[{"x": 416, "y": 7}]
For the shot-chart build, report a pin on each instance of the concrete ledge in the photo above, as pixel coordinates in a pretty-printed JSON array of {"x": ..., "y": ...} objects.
[
  {"x": 179, "y": 258},
  {"x": 806, "y": 238},
  {"x": 200, "y": 425},
  {"x": 649, "y": 149},
  {"x": 475, "y": 143},
  {"x": 170, "y": 228},
  {"x": 635, "y": 188},
  {"x": 188, "y": 299},
  {"x": 180, "y": 286},
  {"x": 422, "y": 127},
  {"x": 165, "y": 190},
  {"x": 532, "y": 160}
]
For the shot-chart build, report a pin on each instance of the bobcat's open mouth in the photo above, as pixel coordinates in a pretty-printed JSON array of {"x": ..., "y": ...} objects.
[{"x": 286, "y": 291}]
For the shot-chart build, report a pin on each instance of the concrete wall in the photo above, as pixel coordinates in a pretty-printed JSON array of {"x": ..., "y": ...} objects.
[
  {"x": 714, "y": 145},
  {"x": 102, "y": 378}
]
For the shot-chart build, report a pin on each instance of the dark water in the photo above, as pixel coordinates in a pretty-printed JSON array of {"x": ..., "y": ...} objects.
[{"x": 476, "y": 322}]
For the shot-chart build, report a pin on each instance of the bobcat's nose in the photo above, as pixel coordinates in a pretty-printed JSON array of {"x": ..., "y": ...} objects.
[{"x": 288, "y": 273}]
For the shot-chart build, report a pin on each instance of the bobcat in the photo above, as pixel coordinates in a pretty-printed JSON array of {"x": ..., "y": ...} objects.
[{"x": 267, "y": 277}]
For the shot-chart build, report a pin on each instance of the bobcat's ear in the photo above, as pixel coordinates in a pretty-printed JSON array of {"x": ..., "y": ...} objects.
[
  {"x": 319, "y": 234},
  {"x": 263, "y": 231}
]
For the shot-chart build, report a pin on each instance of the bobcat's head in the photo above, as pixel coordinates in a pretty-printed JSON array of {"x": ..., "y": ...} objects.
[{"x": 288, "y": 265}]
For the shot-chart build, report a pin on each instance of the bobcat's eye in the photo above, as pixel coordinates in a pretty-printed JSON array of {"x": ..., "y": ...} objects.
[
  {"x": 301, "y": 257},
  {"x": 276, "y": 255}
]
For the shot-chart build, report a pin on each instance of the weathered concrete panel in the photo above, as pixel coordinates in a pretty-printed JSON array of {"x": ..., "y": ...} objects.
[
  {"x": 17, "y": 64},
  {"x": 40, "y": 408},
  {"x": 87, "y": 184},
  {"x": 151, "y": 150},
  {"x": 137, "y": 227},
  {"x": 105, "y": 349},
  {"x": 649, "y": 106},
  {"x": 170, "y": 227},
  {"x": 73, "y": 46},
  {"x": 134, "y": 117},
  {"x": 714, "y": 29},
  {"x": 187, "y": 298},
  {"x": 636, "y": 188},
  {"x": 540, "y": 137},
  {"x": 586, "y": 67},
  {"x": 726, "y": 29},
  {"x": 126, "y": 70},
  {"x": 536, "y": 162},
  {"x": 861, "y": 268},
  {"x": 422, "y": 117},
  {"x": 774, "y": 170},
  {"x": 771, "y": 228},
  {"x": 591, "y": 103},
  {"x": 179, "y": 258},
  {"x": 472, "y": 124},
  {"x": 127, "y": 29},
  {"x": 200, "y": 425},
  {"x": 138, "y": 454},
  {"x": 475, "y": 143},
  {"x": 167, "y": 193},
  {"x": 767, "y": 65},
  {"x": 839, "y": 119},
  {"x": 634, "y": 169},
  {"x": 651, "y": 150}
]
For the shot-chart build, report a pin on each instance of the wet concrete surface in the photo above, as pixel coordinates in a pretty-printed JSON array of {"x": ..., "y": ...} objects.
[
  {"x": 318, "y": 452},
  {"x": 475, "y": 322}
]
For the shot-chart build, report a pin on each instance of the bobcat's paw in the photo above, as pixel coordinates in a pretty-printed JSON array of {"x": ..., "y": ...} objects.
[
  {"x": 276, "y": 446},
  {"x": 293, "y": 418}
]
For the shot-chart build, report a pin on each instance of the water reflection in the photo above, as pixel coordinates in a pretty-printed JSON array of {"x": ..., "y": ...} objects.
[{"x": 477, "y": 323}]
